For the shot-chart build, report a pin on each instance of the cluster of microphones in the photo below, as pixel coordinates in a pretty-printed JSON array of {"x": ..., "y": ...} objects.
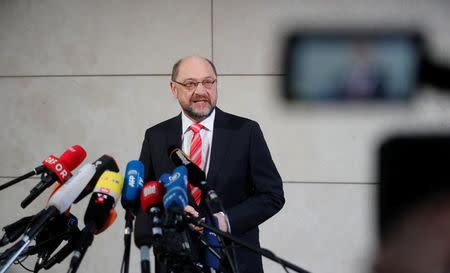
[
  {"x": 54, "y": 224},
  {"x": 158, "y": 207},
  {"x": 55, "y": 232}
]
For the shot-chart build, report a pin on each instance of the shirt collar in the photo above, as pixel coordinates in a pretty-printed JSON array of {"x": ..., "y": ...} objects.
[{"x": 208, "y": 123}]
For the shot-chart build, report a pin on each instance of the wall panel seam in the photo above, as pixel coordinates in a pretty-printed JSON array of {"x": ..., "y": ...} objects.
[
  {"x": 212, "y": 31},
  {"x": 125, "y": 75},
  {"x": 84, "y": 75}
]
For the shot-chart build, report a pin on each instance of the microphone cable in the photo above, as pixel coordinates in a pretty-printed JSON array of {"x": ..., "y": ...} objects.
[{"x": 19, "y": 262}]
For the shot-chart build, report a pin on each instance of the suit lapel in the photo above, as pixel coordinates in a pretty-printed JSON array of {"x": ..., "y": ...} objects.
[
  {"x": 222, "y": 136},
  {"x": 172, "y": 137},
  {"x": 174, "y": 132}
]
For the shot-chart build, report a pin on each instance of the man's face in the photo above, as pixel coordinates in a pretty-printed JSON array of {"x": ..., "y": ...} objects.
[{"x": 198, "y": 103}]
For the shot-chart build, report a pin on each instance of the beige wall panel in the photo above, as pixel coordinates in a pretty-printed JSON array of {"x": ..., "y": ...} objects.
[
  {"x": 328, "y": 143},
  {"x": 105, "y": 115},
  {"x": 11, "y": 197},
  {"x": 101, "y": 37},
  {"x": 249, "y": 36},
  {"x": 323, "y": 228}
]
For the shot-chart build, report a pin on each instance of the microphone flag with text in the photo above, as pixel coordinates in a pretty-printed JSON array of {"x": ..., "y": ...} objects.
[
  {"x": 55, "y": 169},
  {"x": 68, "y": 157}
]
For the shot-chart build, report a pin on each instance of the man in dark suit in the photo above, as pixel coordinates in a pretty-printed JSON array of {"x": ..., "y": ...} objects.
[{"x": 230, "y": 149}]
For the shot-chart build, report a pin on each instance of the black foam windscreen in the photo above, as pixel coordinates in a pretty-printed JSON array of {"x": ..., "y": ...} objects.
[
  {"x": 143, "y": 235},
  {"x": 99, "y": 209},
  {"x": 195, "y": 174}
]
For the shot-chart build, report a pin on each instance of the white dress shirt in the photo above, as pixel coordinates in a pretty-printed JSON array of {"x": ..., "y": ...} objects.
[{"x": 206, "y": 134}]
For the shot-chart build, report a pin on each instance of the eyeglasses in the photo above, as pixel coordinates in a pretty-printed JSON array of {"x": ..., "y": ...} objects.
[{"x": 192, "y": 85}]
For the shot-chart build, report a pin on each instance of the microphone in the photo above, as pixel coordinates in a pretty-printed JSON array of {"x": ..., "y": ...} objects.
[
  {"x": 104, "y": 163},
  {"x": 103, "y": 200},
  {"x": 152, "y": 202},
  {"x": 176, "y": 185},
  {"x": 175, "y": 200},
  {"x": 196, "y": 176},
  {"x": 55, "y": 170},
  {"x": 144, "y": 237},
  {"x": 58, "y": 203},
  {"x": 133, "y": 184},
  {"x": 14, "y": 230},
  {"x": 63, "y": 198},
  {"x": 42, "y": 168},
  {"x": 179, "y": 158}
]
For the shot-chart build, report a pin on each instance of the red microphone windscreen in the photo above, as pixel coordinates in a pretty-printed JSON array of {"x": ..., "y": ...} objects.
[
  {"x": 73, "y": 157},
  {"x": 152, "y": 195}
]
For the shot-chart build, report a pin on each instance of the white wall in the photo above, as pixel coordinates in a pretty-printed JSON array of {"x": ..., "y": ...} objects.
[{"x": 96, "y": 73}]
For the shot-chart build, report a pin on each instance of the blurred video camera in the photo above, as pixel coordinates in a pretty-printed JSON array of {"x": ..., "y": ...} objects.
[{"x": 325, "y": 65}]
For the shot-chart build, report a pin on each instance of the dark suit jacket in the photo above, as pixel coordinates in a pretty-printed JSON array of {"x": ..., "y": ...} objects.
[{"x": 241, "y": 171}]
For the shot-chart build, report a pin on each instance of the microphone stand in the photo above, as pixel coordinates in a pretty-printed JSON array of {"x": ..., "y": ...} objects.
[
  {"x": 157, "y": 234},
  {"x": 47, "y": 179},
  {"x": 264, "y": 252},
  {"x": 36, "y": 171},
  {"x": 16, "y": 249},
  {"x": 64, "y": 251},
  {"x": 86, "y": 238},
  {"x": 129, "y": 217}
]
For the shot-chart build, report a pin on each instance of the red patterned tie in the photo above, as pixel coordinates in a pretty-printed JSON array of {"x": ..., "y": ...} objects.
[{"x": 195, "y": 154}]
